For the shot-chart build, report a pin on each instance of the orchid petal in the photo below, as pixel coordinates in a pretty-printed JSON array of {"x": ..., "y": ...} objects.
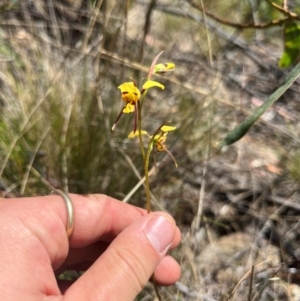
[
  {"x": 136, "y": 133},
  {"x": 129, "y": 92},
  {"x": 167, "y": 128},
  {"x": 151, "y": 83},
  {"x": 129, "y": 108}
]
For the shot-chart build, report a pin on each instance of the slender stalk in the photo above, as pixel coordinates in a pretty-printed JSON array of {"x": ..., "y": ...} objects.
[
  {"x": 145, "y": 156},
  {"x": 139, "y": 124},
  {"x": 147, "y": 186},
  {"x": 146, "y": 168}
]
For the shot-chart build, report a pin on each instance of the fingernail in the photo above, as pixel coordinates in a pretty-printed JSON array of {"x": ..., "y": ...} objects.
[{"x": 160, "y": 231}]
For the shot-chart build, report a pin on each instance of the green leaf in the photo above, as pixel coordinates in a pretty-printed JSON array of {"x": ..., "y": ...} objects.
[
  {"x": 240, "y": 130},
  {"x": 291, "y": 52},
  {"x": 286, "y": 59}
]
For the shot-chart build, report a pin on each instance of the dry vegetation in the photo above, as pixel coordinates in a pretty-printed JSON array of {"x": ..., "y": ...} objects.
[{"x": 60, "y": 65}]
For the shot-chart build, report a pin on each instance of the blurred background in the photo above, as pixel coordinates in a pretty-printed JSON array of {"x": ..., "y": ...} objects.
[{"x": 238, "y": 208}]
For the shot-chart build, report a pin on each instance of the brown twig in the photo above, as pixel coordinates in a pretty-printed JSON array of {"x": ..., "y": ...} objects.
[
  {"x": 284, "y": 11},
  {"x": 146, "y": 27},
  {"x": 291, "y": 16}
]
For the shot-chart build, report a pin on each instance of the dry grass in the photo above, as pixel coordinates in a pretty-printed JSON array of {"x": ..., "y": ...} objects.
[{"x": 59, "y": 71}]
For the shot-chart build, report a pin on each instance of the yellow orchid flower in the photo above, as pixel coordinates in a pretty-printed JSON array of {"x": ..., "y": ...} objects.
[
  {"x": 164, "y": 67},
  {"x": 159, "y": 139},
  {"x": 130, "y": 95},
  {"x": 129, "y": 92}
]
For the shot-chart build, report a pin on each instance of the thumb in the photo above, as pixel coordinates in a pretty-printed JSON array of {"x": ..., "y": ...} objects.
[{"x": 129, "y": 261}]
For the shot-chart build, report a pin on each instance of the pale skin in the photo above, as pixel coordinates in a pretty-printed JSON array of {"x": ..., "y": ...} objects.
[{"x": 118, "y": 245}]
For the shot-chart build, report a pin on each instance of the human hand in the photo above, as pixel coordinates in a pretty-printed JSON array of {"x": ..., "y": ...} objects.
[{"x": 118, "y": 245}]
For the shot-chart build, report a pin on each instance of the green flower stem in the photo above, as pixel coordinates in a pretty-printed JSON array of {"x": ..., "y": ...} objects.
[
  {"x": 147, "y": 156},
  {"x": 146, "y": 168},
  {"x": 139, "y": 106},
  {"x": 140, "y": 129},
  {"x": 147, "y": 186}
]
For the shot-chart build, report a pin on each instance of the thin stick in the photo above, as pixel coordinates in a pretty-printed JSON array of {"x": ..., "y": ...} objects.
[
  {"x": 272, "y": 23},
  {"x": 251, "y": 283}
]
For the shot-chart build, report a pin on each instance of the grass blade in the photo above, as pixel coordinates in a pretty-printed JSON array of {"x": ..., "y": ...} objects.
[{"x": 240, "y": 130}]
